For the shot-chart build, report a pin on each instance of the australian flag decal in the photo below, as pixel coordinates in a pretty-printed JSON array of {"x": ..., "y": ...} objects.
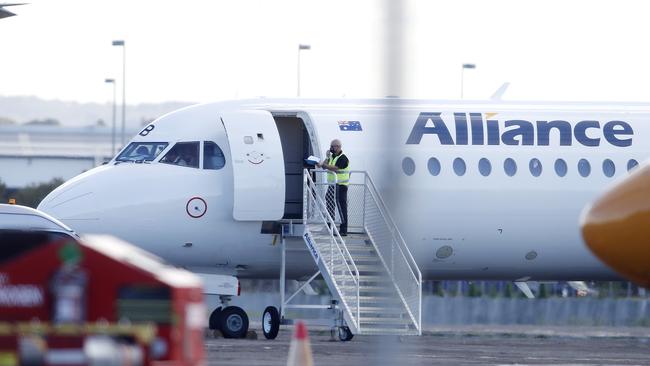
[{"x": 349, "y": 125}]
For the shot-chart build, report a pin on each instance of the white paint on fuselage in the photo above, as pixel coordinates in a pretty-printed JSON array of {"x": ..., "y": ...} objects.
[{"x": 490, "y": 222}]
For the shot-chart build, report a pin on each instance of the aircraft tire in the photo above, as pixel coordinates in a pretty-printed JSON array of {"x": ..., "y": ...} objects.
[
  {"x": 270, "y": 322},
  {"x": 345, "y": 334},
  {"x": 213, "y": 323},
  {"x": 233, "y": 322}
]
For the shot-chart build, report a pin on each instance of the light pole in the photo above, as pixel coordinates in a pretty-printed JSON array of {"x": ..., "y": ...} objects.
[
  {"x": 112, "y": 81},
  {"x": 462, "y": 75},
  {"x": 121, "y": 43},
  {"x": 300, "y": 48}
]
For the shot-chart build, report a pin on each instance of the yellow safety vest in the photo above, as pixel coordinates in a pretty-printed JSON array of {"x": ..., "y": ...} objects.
[{"x": 342, "y": 175}]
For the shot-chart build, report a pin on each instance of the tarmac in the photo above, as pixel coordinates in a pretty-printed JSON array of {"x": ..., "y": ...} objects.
[{"x": 449, "y": 345}]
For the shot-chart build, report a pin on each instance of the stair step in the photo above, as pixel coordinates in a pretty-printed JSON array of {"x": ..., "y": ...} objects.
[
  {"x": 377, "y": 287},
  {"x": 386, "y": 321},
  {"x": 357, "y": 255},
  {"x": 364, "y": 256},
  {"x": 324, "y": 229},
  {"x": 325, "y": 242},
  {"x": 365, "y": 269},
  {"x": 388, "y": 331},
  {"x": 361, "y": 248},
  {"x": 321, "y": 233},
  {"x": 382, "y": 310},
  {"x": 374, "y": 278},
  {"x": 350, "y": 236},
  {"x": 351, "y": 245},
  {"x": 388, "y": 301},
  {"x": 362, "y": 289},
  {"x": 395, "y": 317},
  {"x": 361, "y": 267},
  {"x": 342, "y": 282}
]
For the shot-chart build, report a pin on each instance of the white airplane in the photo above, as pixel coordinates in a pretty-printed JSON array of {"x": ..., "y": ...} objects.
[{"x": 479, "y": 190}]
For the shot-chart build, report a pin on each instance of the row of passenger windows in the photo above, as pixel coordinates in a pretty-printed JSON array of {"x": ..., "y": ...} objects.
[
  {"x": 510, "y": 167},
  {"x": 182, "y": 154}
]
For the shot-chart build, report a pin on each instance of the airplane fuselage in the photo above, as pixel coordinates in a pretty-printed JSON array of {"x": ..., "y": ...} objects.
[{"x": 479, "y": 190}]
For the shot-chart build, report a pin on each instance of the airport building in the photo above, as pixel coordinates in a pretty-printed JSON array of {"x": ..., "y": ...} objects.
[{"x": 32, "y": 154}]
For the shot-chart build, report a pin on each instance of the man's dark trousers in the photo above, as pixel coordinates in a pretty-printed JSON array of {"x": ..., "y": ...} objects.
[{"x": 342, "y": 202}]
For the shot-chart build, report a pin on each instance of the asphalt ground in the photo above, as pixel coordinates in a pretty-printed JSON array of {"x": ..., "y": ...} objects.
[{"x": 463, "y": 345}]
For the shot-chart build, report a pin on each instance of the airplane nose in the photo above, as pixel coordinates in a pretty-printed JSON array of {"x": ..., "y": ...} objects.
[
  {"x": 74, "y": 199},
  {"x": 617, "y": 227}
]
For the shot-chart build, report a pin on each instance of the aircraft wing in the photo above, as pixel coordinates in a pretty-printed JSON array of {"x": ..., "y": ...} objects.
[{"x": 4, "y": 13}]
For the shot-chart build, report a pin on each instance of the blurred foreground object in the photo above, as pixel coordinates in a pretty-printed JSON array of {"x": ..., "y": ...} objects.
[
  {"x": 617, "y": 227},
  {"x": 27, "y": 219},
  {"x": 94, "y": 301},
  {"x": 300, "y": 350}
]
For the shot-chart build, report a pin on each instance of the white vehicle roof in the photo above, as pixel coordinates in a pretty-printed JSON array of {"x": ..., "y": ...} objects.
[
  {"x": 124, "y": 252},
  {"x": 19, "y": 217}
]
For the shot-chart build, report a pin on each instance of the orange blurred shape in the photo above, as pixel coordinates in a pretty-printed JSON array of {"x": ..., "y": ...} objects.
[
  {"x": 300, "y": 349},
  {"x": 617, "y": 227}
]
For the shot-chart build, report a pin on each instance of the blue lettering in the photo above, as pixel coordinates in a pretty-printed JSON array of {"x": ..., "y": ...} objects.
[
  {"x": 610, "y": 131},
  {"x": 581, "y": 133},
  {"x": 439, "y": 128},
  {"x": 461, "y": 128},
  {"x": 544, "y": 132},
  {"x": 493, "y": 132},
  {"x": 518, "y": 132},
  {"x": 477, "y": 128},
  {"x": 524, "y": 129}
]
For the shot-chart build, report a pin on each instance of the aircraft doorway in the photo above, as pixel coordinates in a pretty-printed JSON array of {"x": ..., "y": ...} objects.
[{"x": 297, "y": 145}]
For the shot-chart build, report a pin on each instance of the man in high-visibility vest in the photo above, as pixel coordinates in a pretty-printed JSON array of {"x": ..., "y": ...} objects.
[{"x": 338, "y": 178}]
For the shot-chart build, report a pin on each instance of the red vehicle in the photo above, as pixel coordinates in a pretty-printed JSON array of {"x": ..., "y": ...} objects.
[{"x": 70, "y": 301}]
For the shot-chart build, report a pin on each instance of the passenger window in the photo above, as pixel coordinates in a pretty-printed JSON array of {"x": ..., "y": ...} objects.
[
  {"x": 609, "y": 169},
  {"x": 510, "y": 167},
  {"x": 212, "y": 156},
  {"x": 142, "y": 151},
  {"x": 560, "y": 167},
  {"x": 484, "y": 167},
  {"x": 434, "y": 166},
  {"x": 408, "y": 166},
  {"x": 584, "y": 168},
  {"x": 183, "y": 154},
  {"x": 631, "y": 164},
  {"x": 535, "y": 167},
  {"x": 459, "y": 167}
]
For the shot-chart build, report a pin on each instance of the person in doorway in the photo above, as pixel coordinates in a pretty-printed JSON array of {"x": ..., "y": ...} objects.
[{"x": 339, "y": 179}]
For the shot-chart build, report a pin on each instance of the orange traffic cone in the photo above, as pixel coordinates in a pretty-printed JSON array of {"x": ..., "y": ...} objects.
[{"x": 300, "y": 350}]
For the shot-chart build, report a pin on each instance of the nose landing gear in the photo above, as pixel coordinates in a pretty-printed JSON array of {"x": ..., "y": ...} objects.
[{"x": 232, "y": 321}]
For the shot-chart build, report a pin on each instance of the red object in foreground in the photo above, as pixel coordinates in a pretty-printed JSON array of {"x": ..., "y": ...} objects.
[
  {"x": 301, "y": 331},
  {"x": 300, "y": 349},
  {"x": 98, "y": 294}
]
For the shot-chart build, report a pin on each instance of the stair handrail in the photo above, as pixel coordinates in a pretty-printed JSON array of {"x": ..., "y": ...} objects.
[
  {"x": 401, "y": 242},
  {"x": 403, "y": 249},
  {"x": 335, "y": 237}
]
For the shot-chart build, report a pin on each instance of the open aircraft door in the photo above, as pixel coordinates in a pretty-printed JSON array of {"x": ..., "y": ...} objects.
[{"x": 257, "y": 165}]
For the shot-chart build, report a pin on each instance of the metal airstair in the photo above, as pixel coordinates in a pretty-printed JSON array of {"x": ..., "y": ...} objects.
[{"x": 370, "y": 271}]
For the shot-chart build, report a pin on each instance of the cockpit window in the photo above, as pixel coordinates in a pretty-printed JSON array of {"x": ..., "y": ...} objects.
[
  {"x": 142, "y": 151},
  {"x": 183, "y": 154},
  {"x": 212, "y": 156}
]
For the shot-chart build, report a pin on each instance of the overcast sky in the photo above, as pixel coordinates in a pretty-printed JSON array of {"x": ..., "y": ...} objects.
[{"x": 201, "y": 50}]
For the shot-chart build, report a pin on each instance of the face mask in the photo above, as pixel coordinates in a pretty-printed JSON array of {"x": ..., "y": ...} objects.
[{"x": 332, "y": 150}]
